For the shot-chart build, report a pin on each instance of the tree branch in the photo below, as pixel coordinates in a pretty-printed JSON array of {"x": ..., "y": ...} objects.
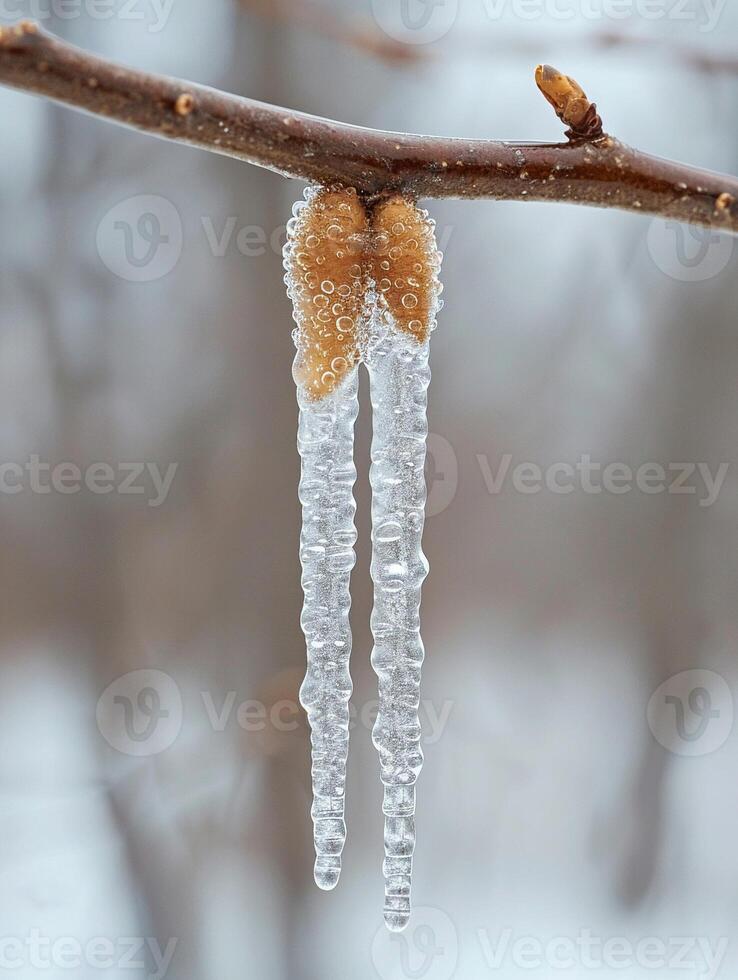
[{"x": 599, "y": 171}]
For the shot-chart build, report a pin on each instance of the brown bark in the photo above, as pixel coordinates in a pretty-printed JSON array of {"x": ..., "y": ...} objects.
[{"x": 600, "y": 172}]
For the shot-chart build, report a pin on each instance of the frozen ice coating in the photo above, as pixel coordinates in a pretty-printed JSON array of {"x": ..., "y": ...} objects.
[
  {"x": 326, "y": 444},
  {"x": 406, "y": 262},
  {"x": 325, "y": 281},
  {"x": 324, "y": 276},
  {"x": 399, "y": 376},
  {"x": 363, "y": 288},
  {"x": 404, "y": 265}
]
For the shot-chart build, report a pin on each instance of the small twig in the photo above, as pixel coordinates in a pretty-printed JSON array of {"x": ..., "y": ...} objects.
[
  {"x": 599, "y": 172},
  {"x": 359, "y": 33},
  {"x": 364, "y": 35}
]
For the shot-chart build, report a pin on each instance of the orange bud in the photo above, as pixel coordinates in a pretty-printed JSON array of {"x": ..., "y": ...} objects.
[
  {"x": 327, "y": 283},
  {"x": 404, "y": 264}
]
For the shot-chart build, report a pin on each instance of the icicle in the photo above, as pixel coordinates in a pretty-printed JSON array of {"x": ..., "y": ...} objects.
[
  {"x": 363, "y": 290},
  {"x": 404, "y": 268},
  {"x": 325, "y": 441},
  {"x": 325, "y": 281}
]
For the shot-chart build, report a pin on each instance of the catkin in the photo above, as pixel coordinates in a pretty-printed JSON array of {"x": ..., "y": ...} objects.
[
  {"x": 404, "y": 264},
  {"x": 327, "y": 281}
]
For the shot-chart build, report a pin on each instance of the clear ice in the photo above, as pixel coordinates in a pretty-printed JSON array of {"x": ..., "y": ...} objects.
[
  {"x": 326, "y": 444},
  {"x": 399, "y": 376}
]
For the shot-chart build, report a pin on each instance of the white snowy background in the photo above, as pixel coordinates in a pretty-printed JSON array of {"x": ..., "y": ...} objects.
[{"x": 547, "y": 808}]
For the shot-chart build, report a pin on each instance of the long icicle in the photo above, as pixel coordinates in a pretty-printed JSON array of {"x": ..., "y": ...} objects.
[
  {"x": 404, "y": 270},
  {"x": 325, "y": 441},
  {"x": 326, "y": 283}
]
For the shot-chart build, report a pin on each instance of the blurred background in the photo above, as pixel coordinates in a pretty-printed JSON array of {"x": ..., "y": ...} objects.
[{"x": 577, "y": 808}]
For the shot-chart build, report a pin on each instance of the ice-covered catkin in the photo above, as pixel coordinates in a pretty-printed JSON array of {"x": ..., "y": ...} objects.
[
  {"x": 404, "y": 265},
  {"x": 325, "y": 282},
  {"x": 404, "y": 262}
]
